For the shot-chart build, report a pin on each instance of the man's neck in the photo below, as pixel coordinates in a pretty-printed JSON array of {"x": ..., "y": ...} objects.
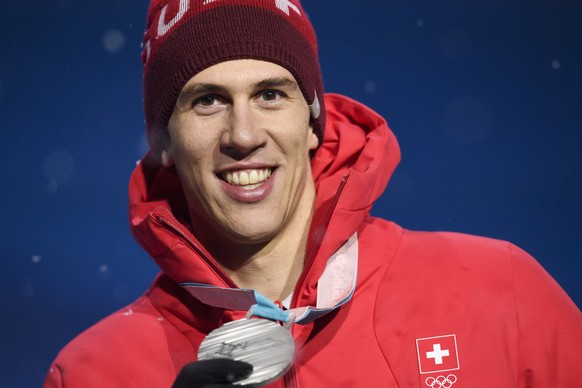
[
  {"x": 273, "y": 267},
  {"x": 274, "y": 275}
]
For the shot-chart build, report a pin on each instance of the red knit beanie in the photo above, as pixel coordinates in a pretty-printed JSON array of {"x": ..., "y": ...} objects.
[{"x": 184, "y": 37}]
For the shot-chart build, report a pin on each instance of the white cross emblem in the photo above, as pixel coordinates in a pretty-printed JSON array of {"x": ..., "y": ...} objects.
[{"x": 437, "y": 354}]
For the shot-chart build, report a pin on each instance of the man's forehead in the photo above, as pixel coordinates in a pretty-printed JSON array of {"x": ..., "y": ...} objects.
[{"x": 242, "y": 74}]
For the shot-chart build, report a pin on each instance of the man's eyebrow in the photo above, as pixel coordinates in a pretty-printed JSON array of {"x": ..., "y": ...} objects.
[
  {"x": 277, "y": 82},
  {"x": 196, "y": 90}
]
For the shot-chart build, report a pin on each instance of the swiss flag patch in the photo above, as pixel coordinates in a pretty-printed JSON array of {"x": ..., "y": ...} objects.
[{"x": 437, "y": 354}]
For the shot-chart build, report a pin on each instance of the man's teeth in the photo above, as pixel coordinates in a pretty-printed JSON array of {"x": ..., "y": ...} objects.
[{"x": 247, "y": 177}]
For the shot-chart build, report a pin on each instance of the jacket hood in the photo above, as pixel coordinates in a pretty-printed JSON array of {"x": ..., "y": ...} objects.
[
  {"x": 351, "y": 170},
  {"x": 359, "y": 143}
]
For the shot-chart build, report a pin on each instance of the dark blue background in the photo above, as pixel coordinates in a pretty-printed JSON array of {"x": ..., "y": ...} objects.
[{"x": 484, "y": 97}]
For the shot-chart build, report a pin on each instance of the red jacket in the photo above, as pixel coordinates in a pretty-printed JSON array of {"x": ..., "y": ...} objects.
[{"x": 427, "y": 310}]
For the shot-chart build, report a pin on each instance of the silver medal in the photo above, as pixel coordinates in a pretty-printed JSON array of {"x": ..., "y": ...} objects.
[{"x": 266, "y": 345}]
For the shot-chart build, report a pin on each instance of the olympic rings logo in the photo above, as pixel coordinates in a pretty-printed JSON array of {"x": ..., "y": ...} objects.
[{"x": 441, "y": 381}]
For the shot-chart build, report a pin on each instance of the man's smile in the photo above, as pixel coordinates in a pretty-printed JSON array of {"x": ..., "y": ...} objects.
[{"x": 247, "y": 179}]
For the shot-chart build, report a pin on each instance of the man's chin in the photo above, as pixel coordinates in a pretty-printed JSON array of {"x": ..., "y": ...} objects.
[{"x": 251, "y": 238}]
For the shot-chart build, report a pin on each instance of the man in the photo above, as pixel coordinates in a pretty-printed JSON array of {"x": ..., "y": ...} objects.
[{"x": 258, "y": 188}]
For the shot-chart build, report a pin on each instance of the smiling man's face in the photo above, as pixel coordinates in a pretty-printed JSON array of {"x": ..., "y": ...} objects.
[{"x": 240, "y": 139}]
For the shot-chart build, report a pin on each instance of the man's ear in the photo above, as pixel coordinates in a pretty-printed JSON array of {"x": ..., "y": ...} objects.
[
  {"x": 164, "y": 142},
  {"x": 167, "y": 160},
  {"x": 312, "y": 140}
]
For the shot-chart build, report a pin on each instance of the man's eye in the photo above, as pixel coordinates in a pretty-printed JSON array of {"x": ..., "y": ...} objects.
[
  {"x": 270, "y": 95},
  {"x": 205, "y": 100}
]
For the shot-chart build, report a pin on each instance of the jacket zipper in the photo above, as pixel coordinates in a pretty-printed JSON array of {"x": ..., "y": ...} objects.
[
  {"x": 314, "y": 249},
  {"x": 290, "y": 378},
  {"x": 185, "y": 236}
]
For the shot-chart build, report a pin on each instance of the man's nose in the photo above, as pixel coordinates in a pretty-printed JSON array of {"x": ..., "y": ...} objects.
[{"x": 244, "y": 134}]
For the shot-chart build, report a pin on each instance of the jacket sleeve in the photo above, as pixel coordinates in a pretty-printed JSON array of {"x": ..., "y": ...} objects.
[{"x": 549, "y": 327}]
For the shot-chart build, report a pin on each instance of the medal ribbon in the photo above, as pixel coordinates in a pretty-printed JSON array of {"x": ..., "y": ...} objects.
[{"x": 264, "y": 308}]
